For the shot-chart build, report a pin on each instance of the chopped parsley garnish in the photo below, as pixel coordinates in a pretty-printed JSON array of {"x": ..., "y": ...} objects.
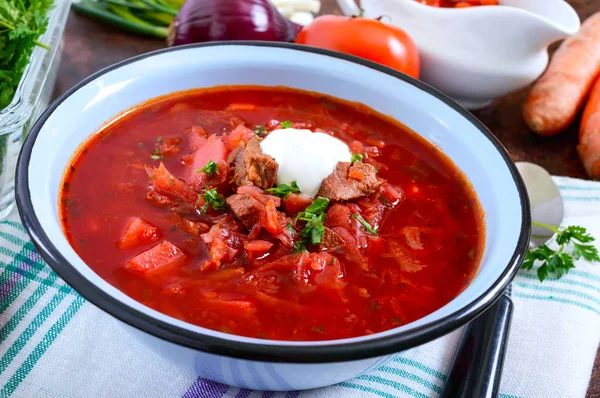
[
  {"x": 140, "y": 144},
  {"x": 155, "y": 156},
  {"x": 286, "y": 124},
  {"x": 260, "y": 131},
  {"x": 365, "y": 224},
  {"x": 299, "y": 247},
  {"x": 283, "y": 190},
  {"x": 213, "y": 199},
  {"x": 559, "y": 262},
  {"x": 159, "y": 138},
  {"x": 210, "y": 168},
  {"x": 314, "y": 215},
  {"x": 291, "y": 229},
  {"x": 356, "y": 157}
]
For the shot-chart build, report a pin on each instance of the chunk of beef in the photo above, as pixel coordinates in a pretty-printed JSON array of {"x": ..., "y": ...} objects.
[
  {"x": 348, "y": 182},
  {"x": 252, "y": 166},
  {"x": 246, "y": 208},
  {"x": 257, "y": 210}
]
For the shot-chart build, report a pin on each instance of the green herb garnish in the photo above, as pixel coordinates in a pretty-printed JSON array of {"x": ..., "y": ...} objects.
[
  {"x": 559, "y": 262},
  {"x": 283, "y": 190},
  {"x": 356, "y": 157},
  {"x": 21, "y": 24},
  {"x": 260, "y": 131},
  {"x": 159, "y": 138},
  {"x": 299, "y": 247},
  {"x": 286, "y": 124},
  {"x": 155, "y": 157},
  {"x": 314, "y": 215},
  {"x": 365, "y": 224},
  {"x": 210, "y": 168},
  {"x": 213, "y": 199},
  {"x": 291, "y": 229}
]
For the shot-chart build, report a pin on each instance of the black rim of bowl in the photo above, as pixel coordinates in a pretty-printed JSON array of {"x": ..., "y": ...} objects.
[{"x": 334, "y": 351}]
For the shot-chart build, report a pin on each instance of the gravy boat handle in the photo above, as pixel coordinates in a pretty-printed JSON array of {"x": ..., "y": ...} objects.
[{"x": 348, "y": 7}]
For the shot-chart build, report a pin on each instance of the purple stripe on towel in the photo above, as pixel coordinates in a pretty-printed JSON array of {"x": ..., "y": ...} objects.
[
  {"x": 268, "y": 394},
  {"x": 243, "y": 393},
  {"x": 204, "y": 388},
  {"x": 21, "y": 268},
  {"x": 9, "y": 285},
  {"x": 292, "y": 394}
]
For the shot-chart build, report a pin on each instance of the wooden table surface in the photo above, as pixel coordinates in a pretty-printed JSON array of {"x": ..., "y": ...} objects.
[{"x": 90, "y": 46}]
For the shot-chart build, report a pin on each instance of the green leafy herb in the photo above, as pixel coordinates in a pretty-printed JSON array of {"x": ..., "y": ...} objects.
[
  {"x": 283, "y": 190},
  {"x": 213, "y": 199},
  {"x": 365, "y": 224},
  {"x": 260, "y": 131},
  {"x": 286, "y": 124},
  {"x": 140, "y": 144},
  {"x": 22, "y": 22},
  {"x": 317, "y": 329},
  {"x": 299, "y": 247},
  {"x": 356, "y": 157},
  {"x": 210, "y": 168},
  {"x": 559, "y": 262},
  {"x": 291, "y": 229},
  {"x": 159, "y": 138},
  {"x": 314, "y": 215},
  {"x": 319, "y": 205},
  {"x": 155, "y": 157}
]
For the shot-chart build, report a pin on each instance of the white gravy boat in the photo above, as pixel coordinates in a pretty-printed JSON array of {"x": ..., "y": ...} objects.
[{"x": 478, "y": 54}]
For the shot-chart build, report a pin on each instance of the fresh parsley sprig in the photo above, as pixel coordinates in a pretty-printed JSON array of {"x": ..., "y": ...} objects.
[
  {"x": 574, "y": 242},
  {"x": 212, "y": 198},
  {"x": 283, "y": 190},
  {"x": 365, "y": 224},
  {"x": 356, "y": 157},
  {"x": 210, "y": 168},
  {"x": 313, "y": 215}
]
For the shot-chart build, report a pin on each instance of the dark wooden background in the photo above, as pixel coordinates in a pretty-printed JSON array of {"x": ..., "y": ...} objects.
[{"x": 91, "y": 46}]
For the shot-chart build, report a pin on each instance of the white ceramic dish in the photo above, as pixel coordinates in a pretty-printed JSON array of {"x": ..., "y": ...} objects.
[
  {"x": 478, "y": 54},
  {"x": 249, "y": 362}
]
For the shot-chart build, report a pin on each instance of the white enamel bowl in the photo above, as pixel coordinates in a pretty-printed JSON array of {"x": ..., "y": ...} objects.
[{"x": 249, "y": 362}]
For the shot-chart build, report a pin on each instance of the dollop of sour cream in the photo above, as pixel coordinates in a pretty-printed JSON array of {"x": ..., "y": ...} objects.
[{"x": 304, "y": 156}]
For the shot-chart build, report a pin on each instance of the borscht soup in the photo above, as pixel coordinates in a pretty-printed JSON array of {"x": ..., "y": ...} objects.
[{"x": 272, "y": 213}]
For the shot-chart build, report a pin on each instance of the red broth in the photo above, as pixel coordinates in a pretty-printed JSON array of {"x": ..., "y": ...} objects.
[{"x": 430, "y": 229}]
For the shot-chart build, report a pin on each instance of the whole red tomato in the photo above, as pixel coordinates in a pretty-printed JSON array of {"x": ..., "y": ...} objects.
[{"x": 366, "y": 38}]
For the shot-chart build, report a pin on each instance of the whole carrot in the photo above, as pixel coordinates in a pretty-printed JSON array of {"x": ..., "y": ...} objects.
[
  {"x": 558, "y": 95},
  {"x": 589, "y": 134}
]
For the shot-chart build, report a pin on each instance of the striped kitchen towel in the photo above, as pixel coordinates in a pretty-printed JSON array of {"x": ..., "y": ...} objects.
[{"x": 54, "y": 344}]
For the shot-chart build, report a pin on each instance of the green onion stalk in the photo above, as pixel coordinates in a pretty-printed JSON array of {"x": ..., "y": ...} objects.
[{"x": 146, "y": 17}]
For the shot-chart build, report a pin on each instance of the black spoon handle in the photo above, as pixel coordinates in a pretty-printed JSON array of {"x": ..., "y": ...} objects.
[{"x": 477, "y": 367}]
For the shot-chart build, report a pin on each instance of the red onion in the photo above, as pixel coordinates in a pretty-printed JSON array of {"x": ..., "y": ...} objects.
[{"x": 211, "y": 20}]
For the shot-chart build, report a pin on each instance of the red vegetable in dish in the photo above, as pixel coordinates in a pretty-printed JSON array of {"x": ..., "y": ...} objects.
[
  {"x": 211, "y": 20},
  {"x": 365, "y": 38},
  {"x": 459, "y": 3},
  {"x": 396, "y": 233}
]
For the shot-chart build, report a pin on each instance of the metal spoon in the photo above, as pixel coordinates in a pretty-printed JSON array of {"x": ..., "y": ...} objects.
[{"x": 477, "y": 367}]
